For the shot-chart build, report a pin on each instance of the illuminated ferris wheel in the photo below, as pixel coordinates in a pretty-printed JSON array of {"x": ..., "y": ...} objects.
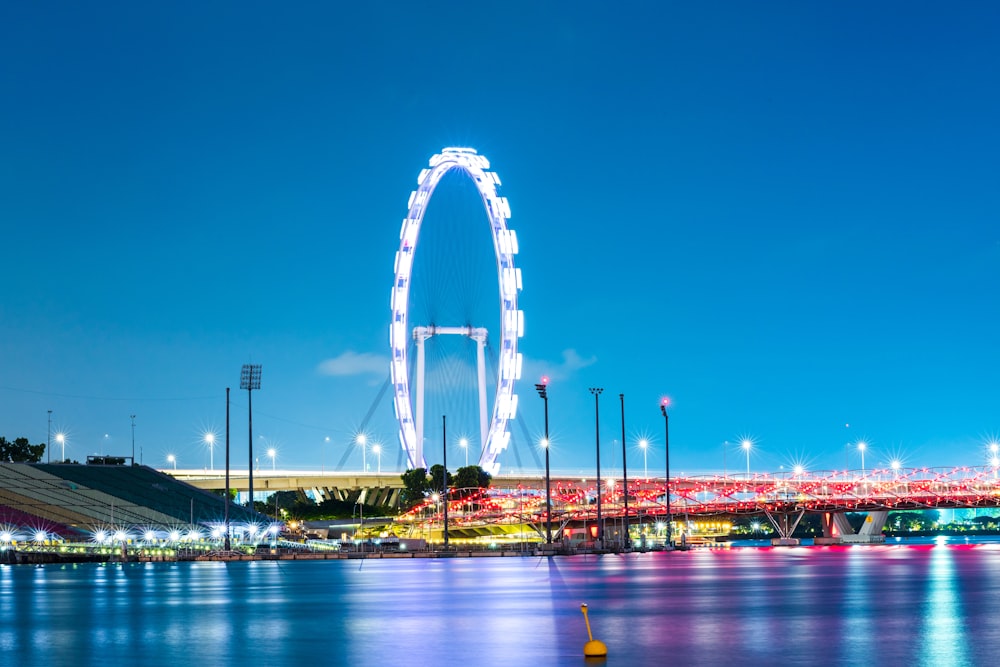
[{"x": 404, "y": 341}]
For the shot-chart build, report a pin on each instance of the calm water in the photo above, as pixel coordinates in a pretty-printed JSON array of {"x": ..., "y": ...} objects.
[{"x": 890, "y": 605}]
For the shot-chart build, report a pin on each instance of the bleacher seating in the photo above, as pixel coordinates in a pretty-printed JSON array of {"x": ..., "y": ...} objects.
[{"x": 80, "y": 497}]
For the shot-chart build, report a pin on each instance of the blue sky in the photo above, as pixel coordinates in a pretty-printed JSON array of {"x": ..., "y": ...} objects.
[{"x": 781, "y": 215}]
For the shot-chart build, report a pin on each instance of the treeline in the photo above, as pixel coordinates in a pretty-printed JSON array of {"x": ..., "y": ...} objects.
[{"x": 20, "y": 450}]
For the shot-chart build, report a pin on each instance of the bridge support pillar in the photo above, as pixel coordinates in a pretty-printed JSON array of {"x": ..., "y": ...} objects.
[
  {"x": 785, "y": 523},
  {"x": 835, "y": 524}
]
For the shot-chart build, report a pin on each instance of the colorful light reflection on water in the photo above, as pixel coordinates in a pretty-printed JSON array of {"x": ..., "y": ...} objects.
[{"x": 892, "y": 604}]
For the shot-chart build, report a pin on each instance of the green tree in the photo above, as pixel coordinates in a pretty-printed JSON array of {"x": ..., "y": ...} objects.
[
  {"x": 471, "y": 477},
  {"x": 416, "y": 486},
  {"x": 20, "y": 451},
  {"x": 437, "y": 478}
]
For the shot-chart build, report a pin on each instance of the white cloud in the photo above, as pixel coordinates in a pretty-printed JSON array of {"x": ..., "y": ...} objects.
[
  {"x": 353, "y": 363},
  {"x": 571, "y": 363}
]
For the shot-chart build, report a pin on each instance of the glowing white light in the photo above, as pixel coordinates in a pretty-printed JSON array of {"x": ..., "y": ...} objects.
[
  {"x": 175, "y": 535},
  {"x": 6, "y": 537},
  {"x": 798, "y": 470},
  {"x": 100, "y": 536},
  {"x": 509, "y": 282},
  {"x": 40, "y": 536},
  {"x": 896, "y": 465},
  {"x": 217, "y": 532},
  {"x": 121, "y": 536},
  {"x": 273, "y": 530},
  {"x": 251, "y": 530},
  {"x": 149, "y": 536},
  {"x": 194, "y": 535}
]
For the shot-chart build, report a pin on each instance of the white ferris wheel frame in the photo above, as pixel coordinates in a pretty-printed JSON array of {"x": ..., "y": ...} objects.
[{"x": 511, "y": 319}]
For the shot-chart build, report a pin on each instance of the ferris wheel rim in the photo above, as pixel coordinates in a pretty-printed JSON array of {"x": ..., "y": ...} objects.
[{"x": 509, "y": 282}]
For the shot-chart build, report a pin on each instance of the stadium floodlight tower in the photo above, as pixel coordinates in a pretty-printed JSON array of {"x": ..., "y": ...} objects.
[
  {"x": 250, "y": 380},
  {"x": 494, "y": 436}
]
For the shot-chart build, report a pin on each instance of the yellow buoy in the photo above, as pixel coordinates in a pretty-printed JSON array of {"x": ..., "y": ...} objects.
[{"x": 594, "y": 648}]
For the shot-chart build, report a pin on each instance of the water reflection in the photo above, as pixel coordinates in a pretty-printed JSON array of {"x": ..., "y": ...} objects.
[{"x": 927, "y": 605}]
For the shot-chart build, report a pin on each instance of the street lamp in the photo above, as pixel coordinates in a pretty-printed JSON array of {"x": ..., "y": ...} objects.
[
  {"x": 542, "y": 389},
  {"x": 61, "y": 439},
  {"x": 377, "y": 450},
  {"x": 747, "y": 445},
  {"x": 272, "y": 452},
  {"x": 666, "y": 454},
  {"x": 644, "y": 445},
  {"x": 172, "y": 459},
  {"x": 210, "y": 441},
  {"x": 362, "y": 440},
  {"x": 862, "y": 446},
  {"x": 464, "y": 444},
  {"x": 621, "y": 397},
  {"x": 444, "y": 476},
  {"x": 896, "y": 465},
  {"x": 250, "y": 380},
  {"x": 596, "y": 391}
]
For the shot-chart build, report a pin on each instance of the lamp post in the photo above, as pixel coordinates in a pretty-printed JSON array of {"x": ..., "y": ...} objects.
[
  {"x": 621, "y": 397},
  {"x": 464, "y": 444},
  {"x": 444, "y": 476},
  {"x": 666, "y": 453},
  {"x": 596, "y": 391},
  {"x": 272, "y": 452},
  {"x": 172, "y": 459},
  {"x": 227, "y": 470},
  {"x": 362, "y": 440},
  {"x": 133, "y": 439},
  {"x": 862, "y": 446},
  {"x": 377, "y": 450},
  {"x": 210, "y": 441},
  {"x": 250, "y": 380},
  {"x": 644, "y": 445},
  {"x": 61, "y": 439},
  {"x": 747, "y": 445},
  {"x": 542, "y": 389}
]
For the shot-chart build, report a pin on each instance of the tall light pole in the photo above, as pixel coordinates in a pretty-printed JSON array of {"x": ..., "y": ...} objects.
[
  {"x": 444, "y": 475},
  {"x": 862, "y": 446},
  {"x": 747, "y": 445},
  {"x": 464, "y": 444},
  {"x": 172, "y": 459},
  {"x": 61, "y": 439},
  {"x": 133, "y": 438},
  {"x": 621, "y": 397},
  {"x": 666, "y": 453},
  {"x": 596, "y": 391},
  {"x": 227, "y": 470},
  {"x": 377, "y": 450},
  {"x": 272, "y": 452},
  {"x": 644, "y": 445},
  {"x": 48, "y": 441},
  {"x": 250, "y": 380},
  {"x": 542, "y": 389},
  {"x": 210, "y": 441},
  {"x": 362, "y": 440}
]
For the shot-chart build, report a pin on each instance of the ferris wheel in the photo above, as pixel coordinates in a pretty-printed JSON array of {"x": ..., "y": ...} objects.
[{"x": 409, "y": 402}]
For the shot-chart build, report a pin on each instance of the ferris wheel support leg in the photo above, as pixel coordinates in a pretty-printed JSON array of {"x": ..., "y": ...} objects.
[
  {"x": 419, "y": 417},
  {"x": 481, "y": 365}
]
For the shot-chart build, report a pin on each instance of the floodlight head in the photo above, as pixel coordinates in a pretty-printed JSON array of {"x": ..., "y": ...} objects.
[
  {"x": 596, "y": 391},
  {"x": 250, "y": 377}
]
